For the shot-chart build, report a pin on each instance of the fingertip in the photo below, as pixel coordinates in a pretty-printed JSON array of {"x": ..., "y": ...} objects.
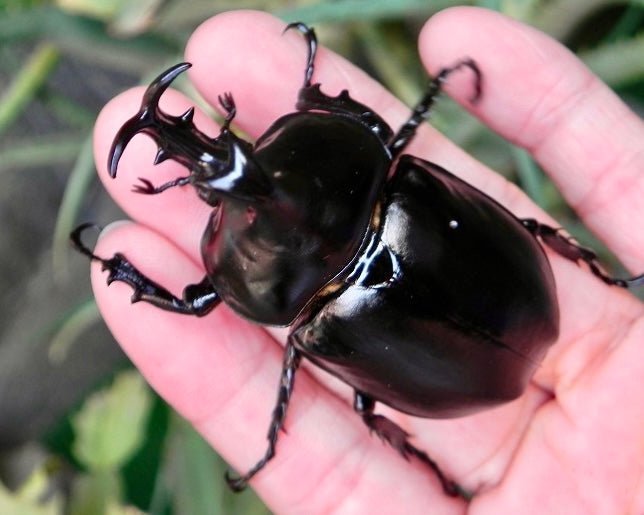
[
  {"x": 243, "y": 52},
  {"x": 518, "y": 63}
]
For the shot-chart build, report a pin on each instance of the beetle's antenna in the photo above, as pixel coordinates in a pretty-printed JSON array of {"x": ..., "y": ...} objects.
[
  {"x": 312, "y": 40},
  {"x": 407, "y": 132}
]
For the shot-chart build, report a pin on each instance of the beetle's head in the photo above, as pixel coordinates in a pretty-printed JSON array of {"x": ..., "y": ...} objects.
[{"x": 221, "y": 166}]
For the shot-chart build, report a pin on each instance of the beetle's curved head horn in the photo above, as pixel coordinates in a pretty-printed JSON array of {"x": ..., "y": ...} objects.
[{"x": 152, "y": 121}]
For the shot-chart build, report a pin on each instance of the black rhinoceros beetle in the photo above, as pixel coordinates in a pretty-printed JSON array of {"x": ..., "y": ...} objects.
[{"x": 411, "y": 286}]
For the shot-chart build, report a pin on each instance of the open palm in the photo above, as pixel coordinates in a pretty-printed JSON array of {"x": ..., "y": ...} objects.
[{"x": 571, "y": 444}]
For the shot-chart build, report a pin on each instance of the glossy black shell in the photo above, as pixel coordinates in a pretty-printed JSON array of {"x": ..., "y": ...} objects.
[
  {"x": 268, "y": 258},
  {"x": 450, "y": 313},
  {"x": 419, "y": 291},
  {"x": 410, "y": 285}
]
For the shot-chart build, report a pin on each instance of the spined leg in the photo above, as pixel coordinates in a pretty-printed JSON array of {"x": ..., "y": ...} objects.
[
  {"x": 292, "y": 360},
  {"x": 407, "y": 132},
  {"x": 395, "y": 436},
  {"x": 312, "y": 41},
  {"x": 198, "y": 299},
  {"x": 311, "y": 97},
  {"x": 568, "y": 248}
]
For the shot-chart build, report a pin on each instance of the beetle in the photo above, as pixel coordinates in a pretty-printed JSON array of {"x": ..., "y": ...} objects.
[{"x": 411, "y": 286}]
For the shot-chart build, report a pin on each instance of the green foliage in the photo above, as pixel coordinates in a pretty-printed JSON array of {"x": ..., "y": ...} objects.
[
  {"x": 28, "y": 499},
  {"x": 111, "y": 425}
]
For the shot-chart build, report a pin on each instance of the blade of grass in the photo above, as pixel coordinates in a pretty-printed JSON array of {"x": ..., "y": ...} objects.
[
  {"x": 76, "y": 323},
  {"x": 87, "y": 38},
  {"x": 627, "y": 24},
  {"x": 45, "y": 152},
  {"x": 617, "y": 63},
  {"x": 27, "y": 83},
  {"x": 530, "y": 176},
  {"x": 69, "y": 111},
  {"x": 79, "y": 180},
  {"x": 393, "y": 59},
  {"x": 560, "y": 17},
  {"x": 199, "y": 486},
  {"x": 361, "y": 10}
]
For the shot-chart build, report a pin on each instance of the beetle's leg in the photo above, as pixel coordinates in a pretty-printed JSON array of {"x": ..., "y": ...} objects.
[
  {"x": 311, "y": 98},
  {"x": 407, "y": 132},
  {"x": 395, "y": 436},
  {"x": 227, "y": 103},
  {"x": 292, "y": 358},
  {"x": 312, "y": 41},
  {"x": 568, "y": 248},
  {"x": 197, "y": 299}
]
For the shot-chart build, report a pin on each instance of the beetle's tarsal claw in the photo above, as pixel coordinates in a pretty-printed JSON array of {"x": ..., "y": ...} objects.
[
  {"x": 227, "y": 103},
  {"x": 478, "y": 76},
  {"x": 312, "y": 41},
  {"x": 76, "y": 239},
  {"x": 236, "y": 484}
]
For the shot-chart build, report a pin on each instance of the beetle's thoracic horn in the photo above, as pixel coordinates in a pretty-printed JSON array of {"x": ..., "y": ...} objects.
[{"x": 150, "y": 119}]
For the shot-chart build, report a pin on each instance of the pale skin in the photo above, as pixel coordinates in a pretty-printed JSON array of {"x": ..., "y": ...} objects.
[{"x": 574, "y": 443}]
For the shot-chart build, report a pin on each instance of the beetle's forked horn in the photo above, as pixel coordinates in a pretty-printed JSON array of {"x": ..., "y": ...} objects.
[{"x": 176, "y": 136}]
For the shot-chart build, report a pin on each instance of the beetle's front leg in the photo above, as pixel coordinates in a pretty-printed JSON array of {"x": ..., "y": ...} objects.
[
  {"x": 568, "y": 248},
  {"x": 395, "y": 436},
  {"x": 198, "y": 299},
  {"x": 292, "y": 359}
]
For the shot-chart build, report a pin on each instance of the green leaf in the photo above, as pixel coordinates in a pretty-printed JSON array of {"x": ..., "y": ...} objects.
[
  {"x": 111, "y": 425},
  {"x": 619, "y": 62},
  {"x": 81, "y": 317},
  {"x": 530, "y": 176},
  {"x": 197, "y": 473},
  {"x": 28, "y": 499},
  {"x": 198, "y": 486},
  {"x": 27, "y": 83},
  {"x": 93, "y": 493},
  {"x": 46, "y": 151},
  {"x": 80, "y": 178},
  {"x": 361, "y": 10}
]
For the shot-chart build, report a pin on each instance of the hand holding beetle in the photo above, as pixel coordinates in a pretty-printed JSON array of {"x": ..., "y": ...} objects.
[{"x": 570, "y": 444}]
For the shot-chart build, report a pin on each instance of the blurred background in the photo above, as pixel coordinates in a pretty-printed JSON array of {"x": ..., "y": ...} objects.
[{"x": 80, "y": 432}]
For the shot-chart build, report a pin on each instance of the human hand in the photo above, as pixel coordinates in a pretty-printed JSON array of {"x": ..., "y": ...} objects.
[{"x": 571, "y": 444}]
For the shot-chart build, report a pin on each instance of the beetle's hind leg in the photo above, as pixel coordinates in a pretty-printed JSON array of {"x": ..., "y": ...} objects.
[
  {"x": 292, "y": 358},
  {"x": 407, "y": 132},
  {"x": 565, "y": 246},
  {"x": 198, "y": 299},
  {"x": 395, "y": 436}
]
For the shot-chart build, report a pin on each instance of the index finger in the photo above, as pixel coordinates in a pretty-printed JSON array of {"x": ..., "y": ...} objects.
[{"x": 541, "y": 97}]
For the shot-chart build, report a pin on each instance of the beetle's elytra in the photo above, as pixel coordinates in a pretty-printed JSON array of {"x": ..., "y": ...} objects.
[{"x": 411, "y": 286}]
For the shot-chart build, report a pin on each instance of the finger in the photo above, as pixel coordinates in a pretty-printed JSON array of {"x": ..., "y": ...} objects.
[
  {"x": 584, "y": 449},
  {"x": 222, "y": 373},
  {"x": 263, "y": 95},
  {"x": 176, "y": 212},
  {"x": 540, "y": 96},
  {"x": 265, "y": 80}
]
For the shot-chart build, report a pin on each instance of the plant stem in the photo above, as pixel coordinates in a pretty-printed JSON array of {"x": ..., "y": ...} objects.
[{"x": 27, "y": 83}]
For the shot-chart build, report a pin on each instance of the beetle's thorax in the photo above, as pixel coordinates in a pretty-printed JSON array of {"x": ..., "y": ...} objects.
[{"x": 321, "y": 176}]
